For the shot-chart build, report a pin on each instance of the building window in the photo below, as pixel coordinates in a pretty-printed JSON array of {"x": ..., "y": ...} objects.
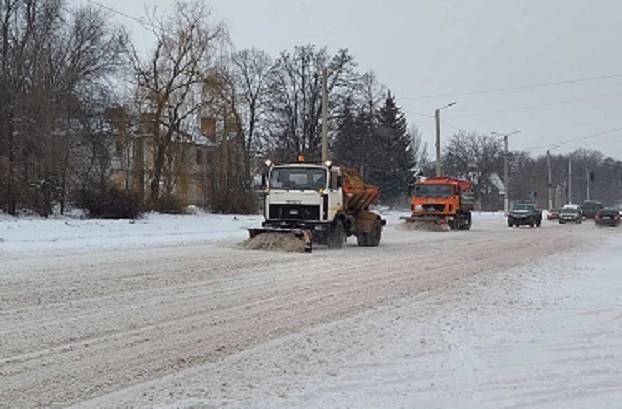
[{"x": 199, "y": 157}]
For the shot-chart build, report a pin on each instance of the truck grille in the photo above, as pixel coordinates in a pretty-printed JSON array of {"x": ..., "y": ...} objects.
[
  {"x": 294, "y": 212},
  {"x": 433, "y": 207}
]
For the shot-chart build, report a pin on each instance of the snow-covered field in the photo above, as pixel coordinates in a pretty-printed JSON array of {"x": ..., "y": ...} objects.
[{"x": 165, "y": 312}]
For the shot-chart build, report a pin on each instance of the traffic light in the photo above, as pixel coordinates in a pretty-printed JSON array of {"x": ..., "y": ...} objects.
[{"x": 591, "y": 176}]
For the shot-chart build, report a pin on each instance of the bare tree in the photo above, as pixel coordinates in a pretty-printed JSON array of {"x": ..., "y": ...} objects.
[
  {"x": 418, "y": 148},
  {"x": 250, "y": 69},
  {"x": 473, "y": 156},
  {"x": 294, "y": 106},
  {"x": 56, "y": 66},
  {"x": 171, "y": 79}
]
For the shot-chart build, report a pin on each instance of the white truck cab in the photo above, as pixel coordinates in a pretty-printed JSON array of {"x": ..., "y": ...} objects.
[{"x": 311, "y": 198}]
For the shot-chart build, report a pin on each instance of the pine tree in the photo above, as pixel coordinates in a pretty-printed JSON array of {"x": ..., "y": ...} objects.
[
  {"x": 394, "y": 163},
  {"x": 354, "y": 139},
  {"x": 346, "y": 138}
]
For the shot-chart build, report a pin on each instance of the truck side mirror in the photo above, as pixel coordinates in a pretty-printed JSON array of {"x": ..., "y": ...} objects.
[
  {"x": 263, "y": 181},
  {"x": 339, "y": 181}
]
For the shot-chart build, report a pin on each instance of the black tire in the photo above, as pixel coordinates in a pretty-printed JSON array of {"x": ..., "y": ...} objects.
[
  {"x": 337, "y": 236},
  {"x": 371, "y": 239},
  {"x": 467, "y": 224},
  {"x": 455, "y": 223}
]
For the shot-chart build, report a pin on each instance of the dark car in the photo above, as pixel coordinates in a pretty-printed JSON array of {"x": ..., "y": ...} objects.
[
  {"x": 524, "y": 214},
  {"x": 607, "y": 217},
  {"x": 553, "y": 214},
  {"x": 590, "y": 208},
  {"x": 571, "y": 215}
]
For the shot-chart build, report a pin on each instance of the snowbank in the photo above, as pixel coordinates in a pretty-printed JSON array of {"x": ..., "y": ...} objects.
[{"x": 37, "y": 234}]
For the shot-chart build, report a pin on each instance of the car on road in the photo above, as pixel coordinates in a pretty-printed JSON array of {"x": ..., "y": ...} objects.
[
  {"x": 607, "y": 217},
  {"x": 553, "y": 214},
  {"x": 590, "y": 208},
  {"x": 524, "y": 214},
  {"x": 571, "y": 215}
]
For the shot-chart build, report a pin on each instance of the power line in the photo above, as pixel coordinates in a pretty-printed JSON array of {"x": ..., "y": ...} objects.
[
  {"x": 567, "y": 141},
  {"x": 453, "y": 126},
  {"x": 526, "y": 108},
  {"x": 419, "y": 113},
  {"x": 529, "y": 86},
  {"x": 146, "y": 24}
]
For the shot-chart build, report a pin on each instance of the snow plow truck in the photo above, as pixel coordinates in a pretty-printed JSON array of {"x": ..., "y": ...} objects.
[
  {"x": 441, "y": 203},
  {"x": 321, "y": 204}
]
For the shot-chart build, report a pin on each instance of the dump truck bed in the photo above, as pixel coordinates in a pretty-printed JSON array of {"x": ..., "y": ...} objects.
[{"x": 358, "y": 194}]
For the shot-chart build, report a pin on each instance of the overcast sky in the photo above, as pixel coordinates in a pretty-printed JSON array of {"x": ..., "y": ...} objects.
[{"x": 420, "y": 48}]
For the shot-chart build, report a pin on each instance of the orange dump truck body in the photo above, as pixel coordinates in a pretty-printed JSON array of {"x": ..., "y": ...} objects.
[
  {"x": 440, "y": 195},
  {"x": 358, "y": 194},
  {"x": 444, "y": 200}
]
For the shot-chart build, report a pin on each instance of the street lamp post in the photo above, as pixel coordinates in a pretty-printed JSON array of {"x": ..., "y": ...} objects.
[
  {"x": 437, "y": 117},
  {"x": 506, "y": 169},
  {"x": 549, "y": 181},
  {"x": 549, "y": 177}
]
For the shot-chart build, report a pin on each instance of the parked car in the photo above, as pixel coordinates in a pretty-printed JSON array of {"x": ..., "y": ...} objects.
[
  {"x": 607, "y": 217},
  {"x": 571, "y": 214},
  {"x": 553, "y": 214}
]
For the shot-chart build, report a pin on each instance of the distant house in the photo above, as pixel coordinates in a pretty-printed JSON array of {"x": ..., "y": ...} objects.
[{"x": 188, "y": 174}]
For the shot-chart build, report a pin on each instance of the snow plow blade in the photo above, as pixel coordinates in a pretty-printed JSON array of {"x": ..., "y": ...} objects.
[
  {"x": 424, "y": 223},
  {"x": 294, "y": 240}
]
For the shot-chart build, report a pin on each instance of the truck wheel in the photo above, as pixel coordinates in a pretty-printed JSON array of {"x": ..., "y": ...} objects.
[
  {"x": 336, "y": 237},
  {"x": 376, "y": 234},
  {"x": 466, "y": 224},
  {"x": 456, "y": 223},
  {"x": 371, "y": 239}
]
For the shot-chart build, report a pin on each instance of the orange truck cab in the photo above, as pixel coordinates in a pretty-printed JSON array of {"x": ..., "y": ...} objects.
[{"x": 443, "y": 200}]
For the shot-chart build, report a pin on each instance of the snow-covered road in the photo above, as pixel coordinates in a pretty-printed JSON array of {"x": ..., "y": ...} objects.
[{"x": 494, "y": 317}]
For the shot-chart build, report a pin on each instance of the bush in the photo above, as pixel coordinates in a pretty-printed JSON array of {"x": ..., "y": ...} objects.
[
  {"x": 170, "y": 204},
  {"x": 111, "y": 203},
  {"x": 236, "y": 202}
]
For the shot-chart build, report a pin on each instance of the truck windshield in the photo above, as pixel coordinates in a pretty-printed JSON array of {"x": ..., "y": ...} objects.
[
  {"x": 523, "y": 207},
  {"x": 433, "y": 190},
  {"x": 302, "y": 178}
]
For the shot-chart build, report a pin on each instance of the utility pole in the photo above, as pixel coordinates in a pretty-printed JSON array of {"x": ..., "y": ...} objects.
[
  {"x": 506, "y": 174},
  {"x": 550, "y": 178},
  {"x": 587, "y": 182},
  {"x": 437, "y": 118},
  {"x": 324, "y": 115},
  {"x": 569, "y": 180},
  {"x": 506, "y": 168}
]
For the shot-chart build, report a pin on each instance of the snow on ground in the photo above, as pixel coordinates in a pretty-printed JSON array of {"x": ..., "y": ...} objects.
[
  {"x": 38, "y": 234},
  {"x": 545, "y": 335}
]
